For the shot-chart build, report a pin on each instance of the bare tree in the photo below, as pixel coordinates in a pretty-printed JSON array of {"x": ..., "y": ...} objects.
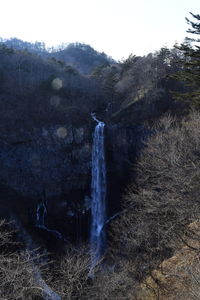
[
  {"x": 17, "y": 280},
  {"x": 164, "y": 199},
  {"x": 70, "y": 274}
]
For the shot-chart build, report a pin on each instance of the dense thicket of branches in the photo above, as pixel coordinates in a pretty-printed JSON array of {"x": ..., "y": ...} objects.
[
  {"x": 164, "y": 198},
  {"x": 41, "y": 88},
  {"x": 17, "y": 281},
  {"x": 26, "y": 274}
]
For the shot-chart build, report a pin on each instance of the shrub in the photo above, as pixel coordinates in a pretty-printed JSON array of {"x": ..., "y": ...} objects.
[{"x": 165, "y": 196}]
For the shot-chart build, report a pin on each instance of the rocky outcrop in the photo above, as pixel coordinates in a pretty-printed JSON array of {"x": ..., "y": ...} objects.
[{"x": 177, "y": 277}]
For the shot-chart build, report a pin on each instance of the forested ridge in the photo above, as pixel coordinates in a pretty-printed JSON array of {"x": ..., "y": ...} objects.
[{"x": 150, "y": 107}]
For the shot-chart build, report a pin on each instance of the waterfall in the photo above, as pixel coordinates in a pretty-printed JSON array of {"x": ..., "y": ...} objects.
[
  {"x": 41, "y": 217},
  {"x": 98, "y": 193}
]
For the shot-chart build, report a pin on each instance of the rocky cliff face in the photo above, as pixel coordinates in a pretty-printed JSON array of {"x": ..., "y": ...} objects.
[
  {"x": 46, "y": 161},
  {"x": 50, "y": 163},
  {"x": 54, "y": 163},
  {"x": 123, "y": 144}
]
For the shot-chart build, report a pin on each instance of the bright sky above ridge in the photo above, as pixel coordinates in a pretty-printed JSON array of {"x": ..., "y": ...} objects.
[{"x": 117, "y": 27}]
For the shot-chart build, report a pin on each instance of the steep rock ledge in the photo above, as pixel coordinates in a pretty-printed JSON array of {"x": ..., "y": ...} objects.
[{"x": 53, "y": 163}]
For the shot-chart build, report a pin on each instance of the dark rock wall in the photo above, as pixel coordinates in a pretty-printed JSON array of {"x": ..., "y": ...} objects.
[
  {"x": 123, "y": 145},
  {"x": 51, "y": 163},
  {"x": 45, "y": 160},
  {"x": 54, "y": 164}
]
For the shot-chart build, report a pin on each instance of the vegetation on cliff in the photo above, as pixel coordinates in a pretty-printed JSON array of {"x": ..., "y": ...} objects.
[{"x": 55, "y": 91}]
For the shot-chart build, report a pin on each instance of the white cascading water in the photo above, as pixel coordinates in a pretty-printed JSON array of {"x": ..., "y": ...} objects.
[
  {"x": 98, "y": 193},
  {"x": 40, "y": 220}
]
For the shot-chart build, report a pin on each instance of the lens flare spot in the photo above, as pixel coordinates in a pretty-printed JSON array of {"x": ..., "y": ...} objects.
[
  {"x": 57, "y": 84},
  {"x": 62, "y": 132},
  {"x": 55, "y": 101}
]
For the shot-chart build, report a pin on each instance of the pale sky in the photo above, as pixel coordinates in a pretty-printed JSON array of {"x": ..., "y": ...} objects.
[{"x": 117, "y": 27}]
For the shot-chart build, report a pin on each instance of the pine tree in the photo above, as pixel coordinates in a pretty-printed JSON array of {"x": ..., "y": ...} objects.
[{"x": 190, "y": 64}]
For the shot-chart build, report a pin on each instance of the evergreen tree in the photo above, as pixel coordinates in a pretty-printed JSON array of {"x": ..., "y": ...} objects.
[{"x": 190, "y": 60}]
